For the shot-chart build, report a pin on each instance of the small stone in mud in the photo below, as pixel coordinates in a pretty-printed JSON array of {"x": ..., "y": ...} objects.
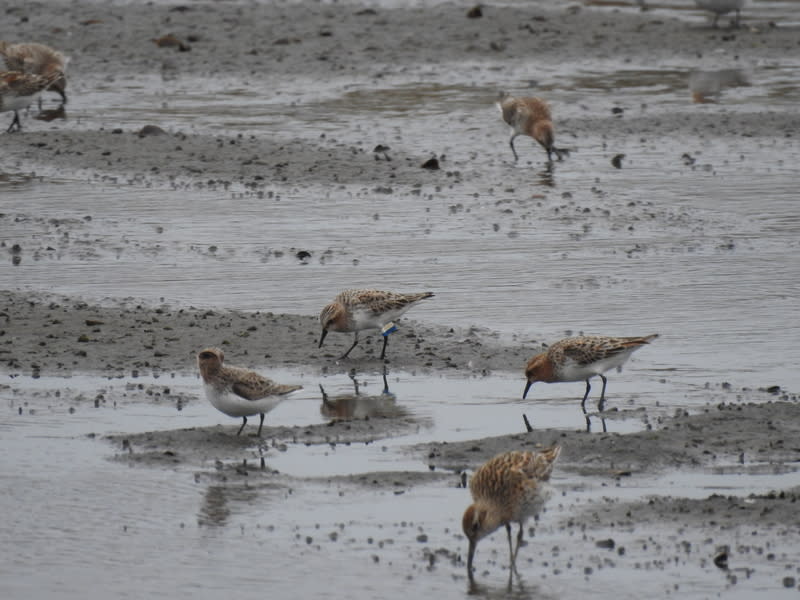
[
  {"x": 431, "y": 164},
  {"x": 609, "y": 544},
  {"x": 788, "y": 582},
  {"x": 774, "y": 389},
  {"x": 16, "y": 249},
  {"x": 382, "y": 149},
  {"x": 16, "y": 260},
  {"x": 721, "y": 560},
  {"x": 617, "y": 110},
  {"x": 617, "y": 160},
  {"x": 422, "y": 538},
  {"x": 171, "y": 41},
  {"x": 151, "y": 130},
  {"x": 476, "y": 12}
]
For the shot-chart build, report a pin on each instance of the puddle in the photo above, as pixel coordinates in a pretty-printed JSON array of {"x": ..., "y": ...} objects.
[{"x": 407, "y": 538}]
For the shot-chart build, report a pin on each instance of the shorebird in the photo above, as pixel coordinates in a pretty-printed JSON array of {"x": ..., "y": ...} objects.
[
  {"x": 581, "y": 358},
  {"x": 356, "y": 310},
  {"x": 720, "y": 7},
  {"x": 529, "y": 116},
  {"x": 37, "y": 59},
  {"x": 509, "y": 488},
  {"x": 239, "y": 392},
  {"x": 19, "y": 90}
]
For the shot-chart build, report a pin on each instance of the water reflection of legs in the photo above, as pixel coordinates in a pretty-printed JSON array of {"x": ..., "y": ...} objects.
[{"x": 546, "y": 175}]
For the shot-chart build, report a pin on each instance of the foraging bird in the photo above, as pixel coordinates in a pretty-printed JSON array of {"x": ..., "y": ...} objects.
[
  {"x": 19, "y": 90},
  {"x": 720, "y": 7},
  {"x": 239, "y": 392},
  {"x": 580, "y": 358},
  {"x": 356, "y": 310},
  {"x": 509, "y": 488},
  {"x": 529, "y": 116},
  {"x": 37, "y": 59}
]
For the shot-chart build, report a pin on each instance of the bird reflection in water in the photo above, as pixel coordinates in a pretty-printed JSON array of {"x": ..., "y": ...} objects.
[
  {"x": 706, "y": 86},
  {"x": 356, "y": 405}
]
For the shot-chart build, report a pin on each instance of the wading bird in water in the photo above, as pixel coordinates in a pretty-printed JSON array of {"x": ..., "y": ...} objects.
[
  {"x": 18, "y": 90},
  {"x": 37, "y": 59},
  {"x": 239, "y": 392},
  {"x": 509, "y": 488},
  {"x": 581, "y": 358},
  {"x": 531, "y": 117},
  {"x": 356, "y": 310}
]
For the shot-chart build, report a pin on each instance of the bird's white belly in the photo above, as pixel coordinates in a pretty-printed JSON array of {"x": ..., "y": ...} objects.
[
  {"x": 366, "y": 319},
  {"x": 18, "y": 102},
  {"x": 572, "y": 371},
  {"x": 234, "y": 406}
]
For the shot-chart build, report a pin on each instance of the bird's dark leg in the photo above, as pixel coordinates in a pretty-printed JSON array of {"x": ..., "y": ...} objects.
[
  {"x": 585, "y": 396},
  {"x": 511, "y": 554},
  {"x": 385, "y": 382},
  {"x": 383, "y": 350},
  {"x": 549, "y": 155},
  {"x": 511, "y": 143},
  {"x": 355, "y": 343},
  {"x": 602, "y": 402},
  {"x": 519, "y": 543},
  {"x": 14, "y": 121},
  {"x": 244, "y": 422},
  {"x": 260, "y": 425}
]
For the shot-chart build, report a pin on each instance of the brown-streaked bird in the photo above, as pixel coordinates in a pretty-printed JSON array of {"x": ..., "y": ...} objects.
[
  {"x": 531, "y": 117},
  {"x": 18, "y": 90},
  {"x": 581, "y": 358},
  {"x": 509, "y": 488},
  {"x": 356, "y": 310},
  {"x": 37, "y": 59},
  {"x": 239, "y": 392}
]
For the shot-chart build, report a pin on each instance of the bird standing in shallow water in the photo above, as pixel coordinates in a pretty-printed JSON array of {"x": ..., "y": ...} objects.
[
  {"x": 580, "y": 358},
  {"x": 239, "y": 392},
  {"x": 355, "y": 310},
  {"x": 529, "y": 116},
  {"x": 19, "y": 90},
  {"x": 509, "y": 488},
  {"x": 37, "y": 59}
]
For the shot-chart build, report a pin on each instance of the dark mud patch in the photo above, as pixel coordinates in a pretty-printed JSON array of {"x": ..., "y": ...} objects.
[
  {"x": 727, "y": 433},
  {"x": 777, "y": 509},
  {"x": 198, "y": 445},
  {"x": 42, "y": 334}
]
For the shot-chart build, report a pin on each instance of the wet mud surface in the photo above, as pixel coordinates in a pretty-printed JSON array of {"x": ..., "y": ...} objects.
[{"x": 219, "y": 188}]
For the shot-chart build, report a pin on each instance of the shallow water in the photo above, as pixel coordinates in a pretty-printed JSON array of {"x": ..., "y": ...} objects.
[
  {"x": 91, "y": 531},
  {"x": 703, "y": 254}
]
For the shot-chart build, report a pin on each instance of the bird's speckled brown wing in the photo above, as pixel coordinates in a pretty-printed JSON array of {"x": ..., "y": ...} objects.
[
  {"x": 378, "y": 301},
  {"x": 495, "y": 479},
  {"x": 21, "y": 84},
  {"x": 252, "y": 386},
  {"x": 586, "y": 350}
]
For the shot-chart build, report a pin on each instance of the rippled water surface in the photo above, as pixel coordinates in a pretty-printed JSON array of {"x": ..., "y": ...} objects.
[{"x": 705, "y": 254}]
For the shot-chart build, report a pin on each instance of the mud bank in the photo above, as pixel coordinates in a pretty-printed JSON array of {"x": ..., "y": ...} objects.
[{"x": 44, "y": 334}]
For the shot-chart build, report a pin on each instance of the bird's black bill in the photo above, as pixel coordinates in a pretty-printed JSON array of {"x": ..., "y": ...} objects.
[
  {"x": 527, "y": 387},
  {"x": 322, "y": 337}
]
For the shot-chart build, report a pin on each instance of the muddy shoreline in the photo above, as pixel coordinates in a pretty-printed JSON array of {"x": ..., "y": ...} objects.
[{"x": 619, "y": 513}]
